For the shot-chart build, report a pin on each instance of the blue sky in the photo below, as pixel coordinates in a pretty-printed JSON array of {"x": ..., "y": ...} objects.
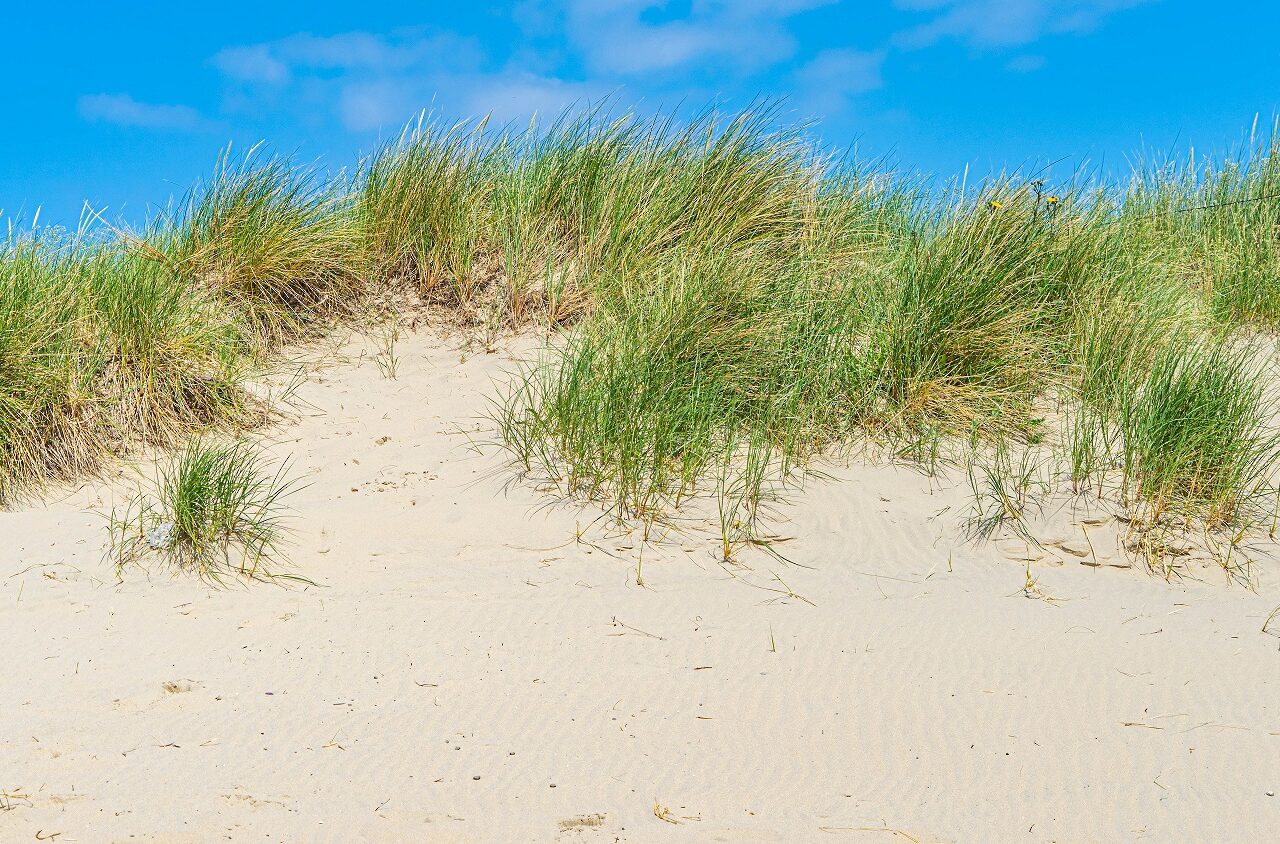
[{"x": 123, "y": 105}]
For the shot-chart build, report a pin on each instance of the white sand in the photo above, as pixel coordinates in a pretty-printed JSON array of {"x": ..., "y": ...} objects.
[{"x": 470, "y": 673}]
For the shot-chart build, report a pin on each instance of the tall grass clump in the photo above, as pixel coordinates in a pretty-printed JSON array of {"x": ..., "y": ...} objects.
[
  {"x": 278, "y": 243},
  {"x": 172, "y": 358},
  {"x": 213, "y": 509},
  {"x": 109, "y": 339},
  {"x": 46, "y": 405},
  {"x": 728, "y": 371},
  {"x": 952, "y": 337},
  {"x": 529, "y": 222},
  {"x": 1185, "y": 444},
  {"x": 1241, "y": 224},
  {"x": 101, "y": 346},
  {"x": 1197, "y": 435},
  {"x": 1224, "y": 218},
  {"x": 638, "y": 404},
  {"x": 702, "y": 253},
  {"x": 424, "y": 200},
  {"x": 847, "y": 307},
  {"x": 614, "y": 198}
]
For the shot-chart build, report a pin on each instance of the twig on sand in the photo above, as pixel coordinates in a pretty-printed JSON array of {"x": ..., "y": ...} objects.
[
  {"x": 7, "y": 799},
  {"x": 888, "y": 829},
  {"x": 617, "y": 623},
  {"x": 1031, "y": 588},
  {"x": 1266, "y": 625},
  {"x": 663, "y": 813}
]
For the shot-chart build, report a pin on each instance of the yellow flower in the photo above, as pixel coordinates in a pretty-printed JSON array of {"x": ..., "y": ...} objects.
[
  {"x": 995, "y": 206},
  {"x": 1053, "y": 200}
]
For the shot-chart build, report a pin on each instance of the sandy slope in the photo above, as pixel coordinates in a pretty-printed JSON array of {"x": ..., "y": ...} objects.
[{"x": 470, "y": 673}]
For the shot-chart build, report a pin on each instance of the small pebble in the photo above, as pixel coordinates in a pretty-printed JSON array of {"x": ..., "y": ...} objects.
[
  {"x": 1271, "y": 794},
  {"x": 476, "y": 777},
  {"x": 553, "y": 785}
]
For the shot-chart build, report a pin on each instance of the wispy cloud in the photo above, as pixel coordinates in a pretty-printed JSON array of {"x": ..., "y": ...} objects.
[
  {"x": 573, "y": 51},
  {"x": 828, "y": 83},
  {"x": 254, "y": 63},
  {"x": 277, "y": 62},
  {"x": 1003, "y": 23},
  {"x": 124, "y": 110},
  {"x": 363, "y": 80},
  {"x": 515, "y": 96},
  {"x": 370, "y": 81},
  {"x": 632, "y": 37}
]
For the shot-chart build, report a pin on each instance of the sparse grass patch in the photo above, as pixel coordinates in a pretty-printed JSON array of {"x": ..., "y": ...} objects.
[
  {"x": 214, "y": 509},
  {"x": 1004, "y": 491}
]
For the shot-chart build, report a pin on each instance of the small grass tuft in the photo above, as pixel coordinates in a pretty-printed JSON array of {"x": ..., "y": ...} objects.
[{"x": 213, "y": 509}]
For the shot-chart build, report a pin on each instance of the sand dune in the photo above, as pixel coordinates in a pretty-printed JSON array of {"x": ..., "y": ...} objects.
[{"x": 467, "y": 671}]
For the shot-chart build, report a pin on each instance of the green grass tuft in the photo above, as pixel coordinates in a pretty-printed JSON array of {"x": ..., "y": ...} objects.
[
  {"x": 214, "y": 509},
  {"x": 278, "y": 243},
  {"x": 1196, "y": 438}
]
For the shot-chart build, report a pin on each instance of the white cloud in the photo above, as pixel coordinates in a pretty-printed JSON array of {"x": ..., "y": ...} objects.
[
  {"x": 828, "y": 82},
  {"x": 364, "y": 106},
  {"x": 504, "y": 97},
  {"x": 1003, "y": 23},
  {"x": 630, "y": 37},
  {"x": 369, "y": 82},
  {"x": 277, "y": 62},
  {"x": 519, "y": 96},
  {"x": 572, "y": 52},
  {"x": 364, "y": 80},
  {"x": 252, "y": 64},
  {"x": 124, "y": 110}
]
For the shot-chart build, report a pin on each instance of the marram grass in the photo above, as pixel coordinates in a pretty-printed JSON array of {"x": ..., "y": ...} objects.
[
  {"x": 214, "y": 509},
  {"x": 726, "y": 302}
]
